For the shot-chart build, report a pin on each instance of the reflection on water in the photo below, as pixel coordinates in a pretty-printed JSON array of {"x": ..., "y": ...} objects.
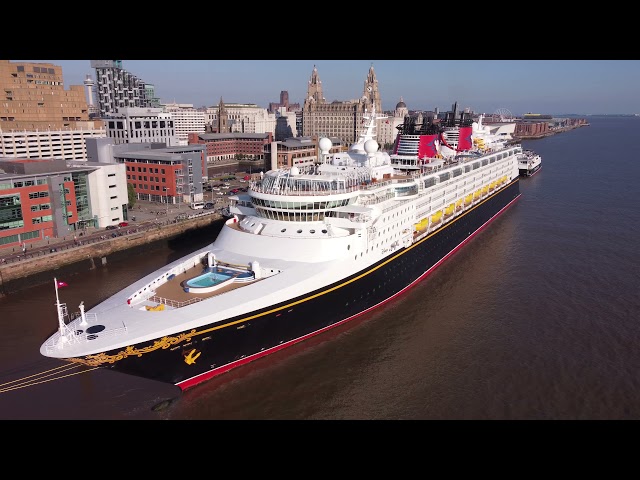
[{"x": 535, "y": 318}]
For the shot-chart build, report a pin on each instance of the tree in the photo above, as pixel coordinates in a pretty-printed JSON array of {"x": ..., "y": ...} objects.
[{"x": 132, "y": 195}]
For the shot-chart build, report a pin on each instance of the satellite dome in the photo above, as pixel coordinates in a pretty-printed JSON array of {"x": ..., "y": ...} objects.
[
  {"x": 325, "y": 145},
  {"x": 371, "y": 146}
]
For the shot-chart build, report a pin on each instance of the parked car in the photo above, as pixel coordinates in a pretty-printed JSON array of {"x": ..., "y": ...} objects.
[
  {"x": 209, "y": 206},
  {"x": 123, "y": 224},
  {"x": 110, "y": 227}
]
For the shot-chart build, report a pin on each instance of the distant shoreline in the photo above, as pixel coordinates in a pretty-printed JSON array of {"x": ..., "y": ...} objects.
[{"x": 549, "y": 133}]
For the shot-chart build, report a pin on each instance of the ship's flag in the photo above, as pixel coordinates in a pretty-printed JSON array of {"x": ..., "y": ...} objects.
[{"x": 62, "y": 284}]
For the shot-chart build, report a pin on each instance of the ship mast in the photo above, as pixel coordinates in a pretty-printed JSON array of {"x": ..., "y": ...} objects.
[{"x": 66, "y": 333}]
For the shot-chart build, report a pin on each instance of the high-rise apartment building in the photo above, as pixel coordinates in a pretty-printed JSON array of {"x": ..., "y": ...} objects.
[
  {"x": 34, "y": 98},
  {"x": 116, "y": 88}
]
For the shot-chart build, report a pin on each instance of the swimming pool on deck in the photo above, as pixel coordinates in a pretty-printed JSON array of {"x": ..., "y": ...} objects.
[{"x": 214, "y": 279}]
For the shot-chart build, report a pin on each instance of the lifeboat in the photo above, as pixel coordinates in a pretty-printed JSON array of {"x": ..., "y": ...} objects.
[
  {"x": 449, "y": 209},
  {"x": 468, "y": 199},
  {"x": 422, "y": 224},
  {"x": 436, "y": 217}
]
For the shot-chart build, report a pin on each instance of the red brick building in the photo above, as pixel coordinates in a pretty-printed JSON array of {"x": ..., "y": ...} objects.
[
  {"x": 38, "y": 200},
  {"x": 222, "y": 148}
]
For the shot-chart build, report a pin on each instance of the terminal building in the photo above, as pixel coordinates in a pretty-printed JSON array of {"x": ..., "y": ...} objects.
[{"x": 47, "y": 198}]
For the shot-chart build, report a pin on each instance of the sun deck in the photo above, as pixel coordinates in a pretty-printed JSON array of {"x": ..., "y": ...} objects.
[{"x": 172, "y": 294}]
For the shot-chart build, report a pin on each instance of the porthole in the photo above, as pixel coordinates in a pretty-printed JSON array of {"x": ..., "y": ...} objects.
[
  {"x": 312, "y": 231},
  {"x": 324, "y": 231},
  {"x": 299, "y": 231},
  {"x": 283, "y": 230}
]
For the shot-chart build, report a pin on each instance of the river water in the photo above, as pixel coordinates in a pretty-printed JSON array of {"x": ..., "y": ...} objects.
[{"x": 535, "y": 318}]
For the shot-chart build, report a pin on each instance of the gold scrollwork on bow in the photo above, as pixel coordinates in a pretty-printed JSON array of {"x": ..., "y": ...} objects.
[{"x": 102, "y": 358}]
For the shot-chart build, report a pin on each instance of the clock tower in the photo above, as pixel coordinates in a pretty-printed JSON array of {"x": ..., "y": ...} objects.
[{"x": 371, "y": 94}]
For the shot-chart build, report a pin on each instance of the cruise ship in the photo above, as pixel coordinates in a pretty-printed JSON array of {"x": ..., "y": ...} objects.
[{"x": 304, "y": 250}]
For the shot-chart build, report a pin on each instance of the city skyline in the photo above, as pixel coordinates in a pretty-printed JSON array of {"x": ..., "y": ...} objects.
[{"x": 582, "y": 87}]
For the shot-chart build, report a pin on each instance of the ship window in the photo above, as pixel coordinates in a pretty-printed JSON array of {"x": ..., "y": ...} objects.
[
  {"x": 312, "y": 231},
  {"x": 299, "y": 231},
  {"x": 324, "y": 231},
  {"x": 283, "y": 230}
]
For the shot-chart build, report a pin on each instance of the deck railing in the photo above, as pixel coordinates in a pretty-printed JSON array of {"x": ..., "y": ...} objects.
[{"x": 173, "y": 303}]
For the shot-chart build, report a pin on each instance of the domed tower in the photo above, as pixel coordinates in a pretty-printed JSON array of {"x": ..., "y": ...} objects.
[{"x": 401, "y": 109}]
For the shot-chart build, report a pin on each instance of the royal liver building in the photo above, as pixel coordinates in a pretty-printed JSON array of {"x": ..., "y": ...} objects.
[{"x": 338, "y": 119}]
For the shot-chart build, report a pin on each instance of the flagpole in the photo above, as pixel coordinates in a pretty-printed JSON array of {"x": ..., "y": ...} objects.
[
  {"x": 55, "y": 282},
  {"x": 59, "y": 310}
]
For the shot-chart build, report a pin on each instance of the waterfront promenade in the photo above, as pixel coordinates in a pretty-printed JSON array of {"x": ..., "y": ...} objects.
[{"x": 148, "y": 216}]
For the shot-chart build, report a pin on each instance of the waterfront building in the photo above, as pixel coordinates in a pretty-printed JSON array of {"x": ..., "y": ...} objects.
[
  {"x": 531, "y": 128},
  {"x": 344, "y": 119},
  {"x": 166, "y": 175},
  {"x": 47, "y": 198},
  {"x": 157, "y": 173},
  {"x": 341, "y": 119}
]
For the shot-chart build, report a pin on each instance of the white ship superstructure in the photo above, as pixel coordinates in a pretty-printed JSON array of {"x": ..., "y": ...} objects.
[{"x": 332, "y": 237}]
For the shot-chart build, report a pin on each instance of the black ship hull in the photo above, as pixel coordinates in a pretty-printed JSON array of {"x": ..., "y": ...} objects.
[
  {"x": 193, "y": 356},
  {"x": 526, "y": 172}
]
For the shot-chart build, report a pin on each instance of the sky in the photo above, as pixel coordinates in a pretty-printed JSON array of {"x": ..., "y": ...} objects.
[{"x": 555, "y": 87}]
